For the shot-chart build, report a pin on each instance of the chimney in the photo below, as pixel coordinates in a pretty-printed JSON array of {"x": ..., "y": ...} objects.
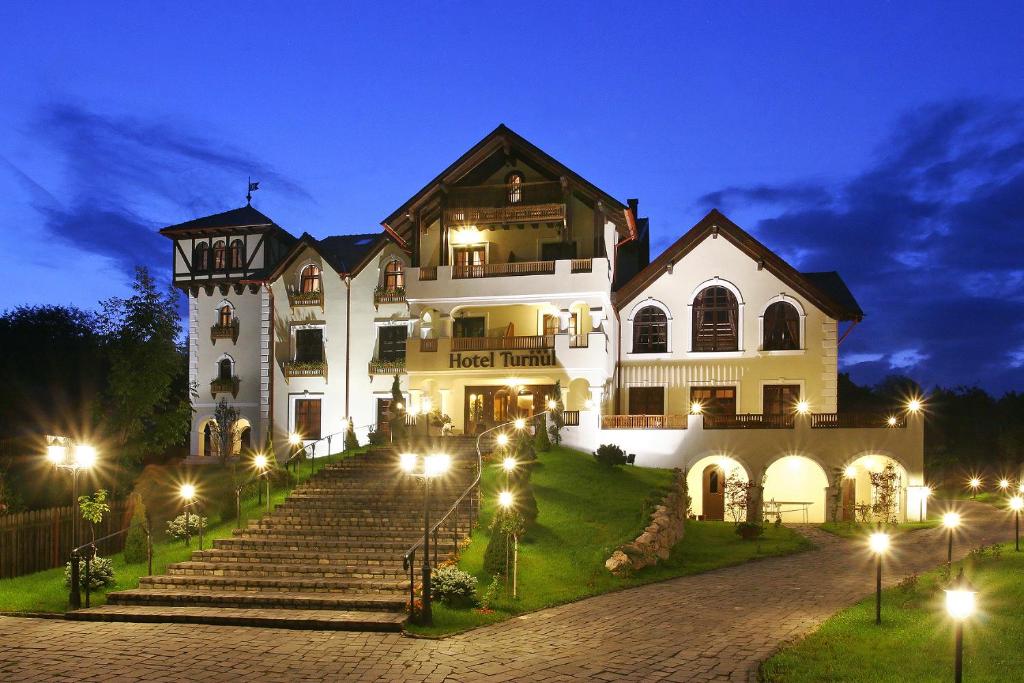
[{"x": 633, "y": 204}]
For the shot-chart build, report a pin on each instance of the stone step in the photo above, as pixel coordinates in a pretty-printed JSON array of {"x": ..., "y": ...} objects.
[
  {"x": 274, "y": 584},
  {"x": 320, "y": 544},
  {"x": 304, "y": 619},
  {"x": 259, "y": 599},
  {"x": 362, "y": 557},
  {"x": 392, "y": 572}
]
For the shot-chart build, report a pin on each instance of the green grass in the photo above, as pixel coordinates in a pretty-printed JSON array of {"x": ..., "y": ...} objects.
[
  {"x": 915, "y": 640},
  {"x": 862, "y": 529},
  {"x": 45, "y": 591},
  {"x": 586, "y": 511}
]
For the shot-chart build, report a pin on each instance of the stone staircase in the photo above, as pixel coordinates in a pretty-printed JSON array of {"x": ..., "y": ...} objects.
[{"x": 329, "y": 557}]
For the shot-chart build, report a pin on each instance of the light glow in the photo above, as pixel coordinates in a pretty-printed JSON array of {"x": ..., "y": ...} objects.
[
  {"x": 1004, "y": 484},
  {"x": 509, "y": 464},
  {"x": 915, "y": 405},
  {"x": 552, "y": 404},
  {"x": 879, "y": 542},
  {"x": 520, "y": 423},
  {"x": 850, "y": 472},
  {"x": 437, "y": 464},
  {"x": 502, "y": 439},
  {"x": 696, "y": 408},
  {"x": 505, "y": 499},
  {"x": 85, "y": 456},
  {"x": 407, "y": 461},
  {"x": 960, "y": 604},
  {"x": 1017, "y": 503},
  {"x": 951, "y": 520},
  {"x": 467, "y": 235},
  {"x": 188, "y": 492},
  {"x": 892, "y": 421},
  {"x": 803, "y": 407},
  {"x": 260, "y": 462},
  {"x": 294, "y": 439},
  {"x": 975, "y": 483},
  {"x": 56, "y": 454}
]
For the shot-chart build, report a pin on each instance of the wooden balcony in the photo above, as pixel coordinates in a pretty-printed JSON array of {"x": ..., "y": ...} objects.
[
  {"x": 229, "y": 331},
  {"x": 504, "y": 269},
  {"x": 643, "y": 421},
  {"x": 388, "y": 296},
  {"x": 306, "y": 298},
  {"x": 227, "y": 385},
  {"x": 387, "y": 367},
  {"x": 545, "y": 341},
  {"x": 748, "y": 421},
  {"x": 305, "y": 368},
  {"x": 582, "y": 265},
  {"x": 428, "y": 273},
  {"x": 539, "y": 202},
  {"x": 571, "y": 418},
  {"x": 858, "y": 421},
  {"x": 428, "y": 345}
]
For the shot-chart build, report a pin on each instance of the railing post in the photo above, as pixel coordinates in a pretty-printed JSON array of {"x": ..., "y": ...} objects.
[
  {"x": 75, "y": 596},
  {"x": 89, "y": 554}
]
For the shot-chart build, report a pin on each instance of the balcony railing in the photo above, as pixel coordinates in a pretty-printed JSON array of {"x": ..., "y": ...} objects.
[
  {"x": 306, "y": 298},
  {"x": 748, "y": 421},
  {"x": 571, "y": 418},
  {"x": 491, "y": 204},
  {"x": 428, "y": 344},
  {"x": 229, "y": 331},
  {"x": 387, "y": 367},
  {"x": 306, "y": 368},
  {"x": 225, "y": 385},
  {"x": 546, "y": 341},
  {"x": 388, "y": 296},
  {"x": 504, "y": 269},
  {"x": 643, "y": 421},
  {"x": 582, "y": 265},
  {"x": 858, "y": 421},
  {"x": 579, "y": 341},
  {"x": 428, "y": 273}
]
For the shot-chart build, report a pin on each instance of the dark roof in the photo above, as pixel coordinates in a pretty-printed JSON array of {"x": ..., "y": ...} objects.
[
  {"x": 715, "y": 224},
  {"x": 831, "y": 284},
  {"x": 346, "y": 253},
  {"x": 245, "y": 217}
]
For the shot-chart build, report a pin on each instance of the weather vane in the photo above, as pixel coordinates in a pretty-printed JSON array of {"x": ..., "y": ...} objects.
[{"x": 252, "y": 188}]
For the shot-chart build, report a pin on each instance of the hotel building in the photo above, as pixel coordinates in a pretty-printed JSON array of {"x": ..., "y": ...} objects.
[{"x": 509, "y": 280}]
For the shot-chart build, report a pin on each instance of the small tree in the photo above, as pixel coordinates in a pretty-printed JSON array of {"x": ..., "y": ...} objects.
[
  {"x": 351, "y": 442},
  {"x": 557, "y": 418},
  {"x": 736, "y": 493},
  {"x": 135, "y": 545},
  {"x": 885, "y": 486},
  {"x": 225, "y": 416},
  {"x": 93, "y": 508},
  {"x": 838, "y": 475},
  {"x": 541, "y": 442},
  {"x": 505, "y": 525}
]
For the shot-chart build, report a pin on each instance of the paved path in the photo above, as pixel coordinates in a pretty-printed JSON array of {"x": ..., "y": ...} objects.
[{"x": 714, "y": 626}]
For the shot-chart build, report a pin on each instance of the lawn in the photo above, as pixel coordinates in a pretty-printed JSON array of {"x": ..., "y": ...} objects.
[
  {"x": 45, "y": 591},
  {"x": 862, "y": 529},
  {"x": 586, "y": 511},
  {"x": 915, "y": 640}
]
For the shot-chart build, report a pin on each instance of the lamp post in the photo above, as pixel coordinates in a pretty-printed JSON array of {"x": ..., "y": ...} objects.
[
  {"x": 879, "y": 543},
  {"x": 960, "y": 604},
  {"x": 262, "y": 466},
  {"x": 975, "y": 484},
  {"x": 426, "y": 468},
  {"x": 1016, "y": 504},
  {"x": 74, "y": 460},
  {"x": 950, "y": 520},
  {"x": 507, "y": 500},
  {"x": 295, "y": 439},
  {"x": 188, "y": 494}
]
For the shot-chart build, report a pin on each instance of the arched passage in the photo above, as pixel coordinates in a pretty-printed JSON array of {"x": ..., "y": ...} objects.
[
  {"x": 208, "y": 437},
  {"x": 859, "y": 496},
  {"x": 707, "y": 481},
  {"x": 793, "y": 484}
]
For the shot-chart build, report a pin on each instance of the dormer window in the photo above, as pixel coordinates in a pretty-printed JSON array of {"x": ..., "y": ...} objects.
[
  {"x": 224, "y": 315},
  {"x": 201, "y": 258},
  {"x": 219, "y": 255},
  {"x": 514, "y": 185},
  {"x": 781, "y": 327},
  {"x": 237, "y": 255},
  {"x": 715, "y": 320},
  {"x": 650, "y": 331},
  {"x": 309, "y": 280},
  {"x": 394, "y": 277}
]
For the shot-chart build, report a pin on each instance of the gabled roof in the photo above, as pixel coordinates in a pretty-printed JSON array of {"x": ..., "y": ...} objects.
[
  {"x": 346, "y": 254},
  {"x": 245, "y": 217},
  {"x": 504, "y": 138},
  {"x": 827, "y": 291}
]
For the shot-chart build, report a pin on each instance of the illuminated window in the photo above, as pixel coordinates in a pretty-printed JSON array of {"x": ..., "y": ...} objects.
[
  {"x": 650, "y": 330},
  {"x": 309, "y": 281},
  {"x": 715, "y": 320},
  {"x": 781, "y": 327},
  {"x": 237, "y": 255},
  {"x": 224, "y": 316},
  {"x": 219, "y": 255},
  {"x": 394, "y": 277},
  {"x": 201, "y": 258},
  {"x": 514, "y": 185}
]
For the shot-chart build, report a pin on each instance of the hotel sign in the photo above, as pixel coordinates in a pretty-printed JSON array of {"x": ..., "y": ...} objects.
[{"x": 538, "y": 358}]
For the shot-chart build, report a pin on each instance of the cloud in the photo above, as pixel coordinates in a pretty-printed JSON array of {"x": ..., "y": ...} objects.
[
  {"x": 929, "y": 237},
  {"x": 123, "y": 177}
]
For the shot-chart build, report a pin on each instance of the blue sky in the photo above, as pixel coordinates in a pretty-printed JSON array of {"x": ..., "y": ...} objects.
[{"x": 884, "y": 140}]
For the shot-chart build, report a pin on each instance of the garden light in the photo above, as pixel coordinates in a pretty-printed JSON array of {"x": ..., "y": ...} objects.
[
  {"x": 260, "y": 462},
  {"x": 294, "y": 439},
  {"x": 915, "y": 405},
  {"x": 803, "y": 407},
  {"x": 961, "y": 603},
  {"x": 407, "y": 461},
  {"x": 1016, "y": 504},
  {"x": 85, "y": 456},
  {"x": 509, "y": 464},
  {"x": 892, "y": 421},
  {"x": 502, "y": 439},
  {"x": 1004, "y": 484},
  {"x": 436, "y": 465},
  {"x": 505, "y": 499},
  {"x": 879, "y": 543},
  {"x": 188, "y": 492},
  {"x": 975, "y": 484},
  {"x": 696, "y": 408},
  {"x": 519, "y": 423},
  {"x": 552, "y": 404},
  {"x": 950, "y": 520},
  {"x": 56, "y": 454}
]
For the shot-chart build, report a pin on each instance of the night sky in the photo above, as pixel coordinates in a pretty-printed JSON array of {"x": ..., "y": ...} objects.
[{"x": 885, "y": 141}]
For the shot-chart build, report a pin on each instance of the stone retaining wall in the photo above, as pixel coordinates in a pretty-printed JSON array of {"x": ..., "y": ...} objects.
[{"x": 665, "y": 530}]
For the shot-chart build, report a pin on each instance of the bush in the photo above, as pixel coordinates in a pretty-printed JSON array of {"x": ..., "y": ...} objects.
[
  {"x": 498, "y": 553},
  {"x": 610, "y": 455},
  {"x": 525, "y": 500},
  {"x": 227, "y": 509},
  {"x": 377, "y": 437},
  {"x": 135, "y": 544},
  {"x": 101, "y": 573},
  {"x": 453, "y": 587},
  {"x": 351, "y": 442},
  {"x": 541, "y": 442},
  {"x": 176, "y": 527},
  {"x": 748, "y": 531}
]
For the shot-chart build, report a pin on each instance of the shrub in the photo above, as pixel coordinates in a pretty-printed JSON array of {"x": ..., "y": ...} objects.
[
  {"x": 525, "y": 500},
  {"x": 541, "y": 442},
  {"x": 453, "y": 587},
  {"x": 227, "y": 508},
  {"x": 176, "y": 527},
  {"x": 377, "y": 437},
  {"x": 498, "y": 553},
  {"x": 748, "y": 531},
  {"x": 610, "y": 455},
  {"x": 101, "y": 573},
  {"x": 491, "y": 593},
  {"x": 135, "y": 544},
  {"x": 351, "y": 442}
]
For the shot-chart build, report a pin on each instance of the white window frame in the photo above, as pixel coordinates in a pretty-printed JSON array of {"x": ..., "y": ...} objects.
[
  {"x": 716, "y": 281},
  {"x": 292, "y": 397},
  {"x": 787, "y": 299},
  {"x": 294, "y": 327},
  {"x": 657, "y": 303}
]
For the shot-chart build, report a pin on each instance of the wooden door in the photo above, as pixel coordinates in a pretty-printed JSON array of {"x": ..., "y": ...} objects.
[
  {"x": 849, "y": 489},
  {"x": 714, "y": 493},
  {"x": 646, "y": 401}
]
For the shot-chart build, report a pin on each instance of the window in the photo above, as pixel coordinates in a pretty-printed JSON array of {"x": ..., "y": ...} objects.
[
  {"x": 715, "y": 320},
  {"x": 715, "y": 400},
  {"x": 550, "y": 324},
  {"x": 309, "y": 345},
  {"x": 219, "y": 255},
  {"x": 392, "y": 343},
  {"x": 307, "y": 418},
  {"x": 394, "y": 278},
  {"x": 713, "y": 481},
  {"x": 555, "y": 251},
  {"x": 650, "y": 331},
  {"x": 237, "y": 255},
  {"x": 514, "y": 185},
  {"x": 780, "y": 399},
  {"x": 224, "y": 316},
  {"x": 201, "y": 258},
  {"x": 646, "y": 400},
  {"x": 781, "y": 327},
  {"x": 309, "y": 280},
  {"x": 470, "y": 261},
  {"x": 224, "y": 370},
  {"x": 469, "y": 327}
]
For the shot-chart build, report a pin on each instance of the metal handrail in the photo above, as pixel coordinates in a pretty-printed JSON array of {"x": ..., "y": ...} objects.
[
  {"x": 328, "y": 439},
  {"x": 74, "y": 597}
]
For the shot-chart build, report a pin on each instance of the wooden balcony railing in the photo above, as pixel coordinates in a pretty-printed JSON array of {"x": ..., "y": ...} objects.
[
  {"x": 305, "y": 368},
  {"x": 428, "y": 345},
  {"x": 228, "y": 385},
  {"x": 858, "y": 421},
  {"x": 504, "y": 269},
  {"x": 546, "y": 341},
  {"x": 388, "y": 296},
  {"x": 306, "y": 298},
  {"x": 582, "y": 265},
  {"x": 428, "y": 273},
  {"x": 387, "y": 367},
  {"x": 571, "y": 418},
  {"x": 495, "y": 204},
  {"x": 229, "y": 331},
  {"x": 643, "y": 421},
  {"x": 748, "y": 421},
  {"x": 579, "y": 341}
]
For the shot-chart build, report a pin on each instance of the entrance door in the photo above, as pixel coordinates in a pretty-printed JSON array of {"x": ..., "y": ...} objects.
[
  {"x": 384, "y": 415},
  {"x": 714, "y": 493},
  {"x": 715, "y": 400},
  {"x": 646, "y": 401},
  {"x": 469, "y": 261},
  {"x": 849, "y": 488}
]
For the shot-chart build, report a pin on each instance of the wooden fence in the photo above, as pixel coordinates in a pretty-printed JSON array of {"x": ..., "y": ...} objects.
[{"x": 34, "y": 541}]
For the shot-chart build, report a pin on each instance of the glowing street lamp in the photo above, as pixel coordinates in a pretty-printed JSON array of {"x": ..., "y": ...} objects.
[
  {"x": 506, "y": 500},
  {"x": 262, "y": 465},
  {"x": 188, "y": 494},
  {"x": 552, "y": 404},
  {"x": 509, "y": 465},
  {"x": 892, "y": 421},
  {"x": 502, "y": 439},
  {"x": 73, "y": 459},
  {"x": 915, "y": 405},
  {"x": 879, "y": 544},
  {"x": 1017, "y": 504},
  {"x": 519, "y": 424},
  {"x": 425, "y": 468},
  {"x": 1004, "y": 484},
  {"x": 975, "y": 484},
  {"x": 950, "y": 520},
  {"x": 696, "y": 408},
  {"x": 803, "y": 407},
  {"x": 961, "y": 604}
]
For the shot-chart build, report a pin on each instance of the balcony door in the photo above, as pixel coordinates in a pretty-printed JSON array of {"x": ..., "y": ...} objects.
[
  {"x": 646, "y": 400},
  {"x": 556, "y": 251},
  {"x": 307, "y": 418},
  {"x": 309, "y": 345},
  {"x": 780, "y": 399},
  {"x": 392, "y": 343},
  {"x": 470, "y": 261},
  {"x": 715, "y": 400},
  {"x": 469, "y": 327}
]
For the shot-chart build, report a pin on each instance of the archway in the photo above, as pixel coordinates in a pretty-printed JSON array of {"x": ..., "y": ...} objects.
[
  {"x": 795, "y": 490},
  {"x": 860, "y": 497},
  {"x": 707, "y": 482},
  {"x": 207, "y": 438},
  {"x": 242, "y": 441}
]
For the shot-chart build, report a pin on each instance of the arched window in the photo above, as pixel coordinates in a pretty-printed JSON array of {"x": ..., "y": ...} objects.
[
  {"x": 224, "y": 369},
  {"x": 237, "y": 254},
  {"x": 224, "y": 315},
  {"x": 514, "y": 185},
  {"x": 781, "y": 327},
  {"x": 715, "y": 320},
  {"x": 713, "y": 481},
  {"x": 219, "y": 255},
  {"x": 650, "y": 330},
  {"x": 309, "y": 281},
  {"x": 201, "y": 258},
  {"x": 394, "y": 277}
]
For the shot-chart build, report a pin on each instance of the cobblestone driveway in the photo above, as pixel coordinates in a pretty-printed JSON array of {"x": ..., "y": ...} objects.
[{"x": 713, "y": 626}]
